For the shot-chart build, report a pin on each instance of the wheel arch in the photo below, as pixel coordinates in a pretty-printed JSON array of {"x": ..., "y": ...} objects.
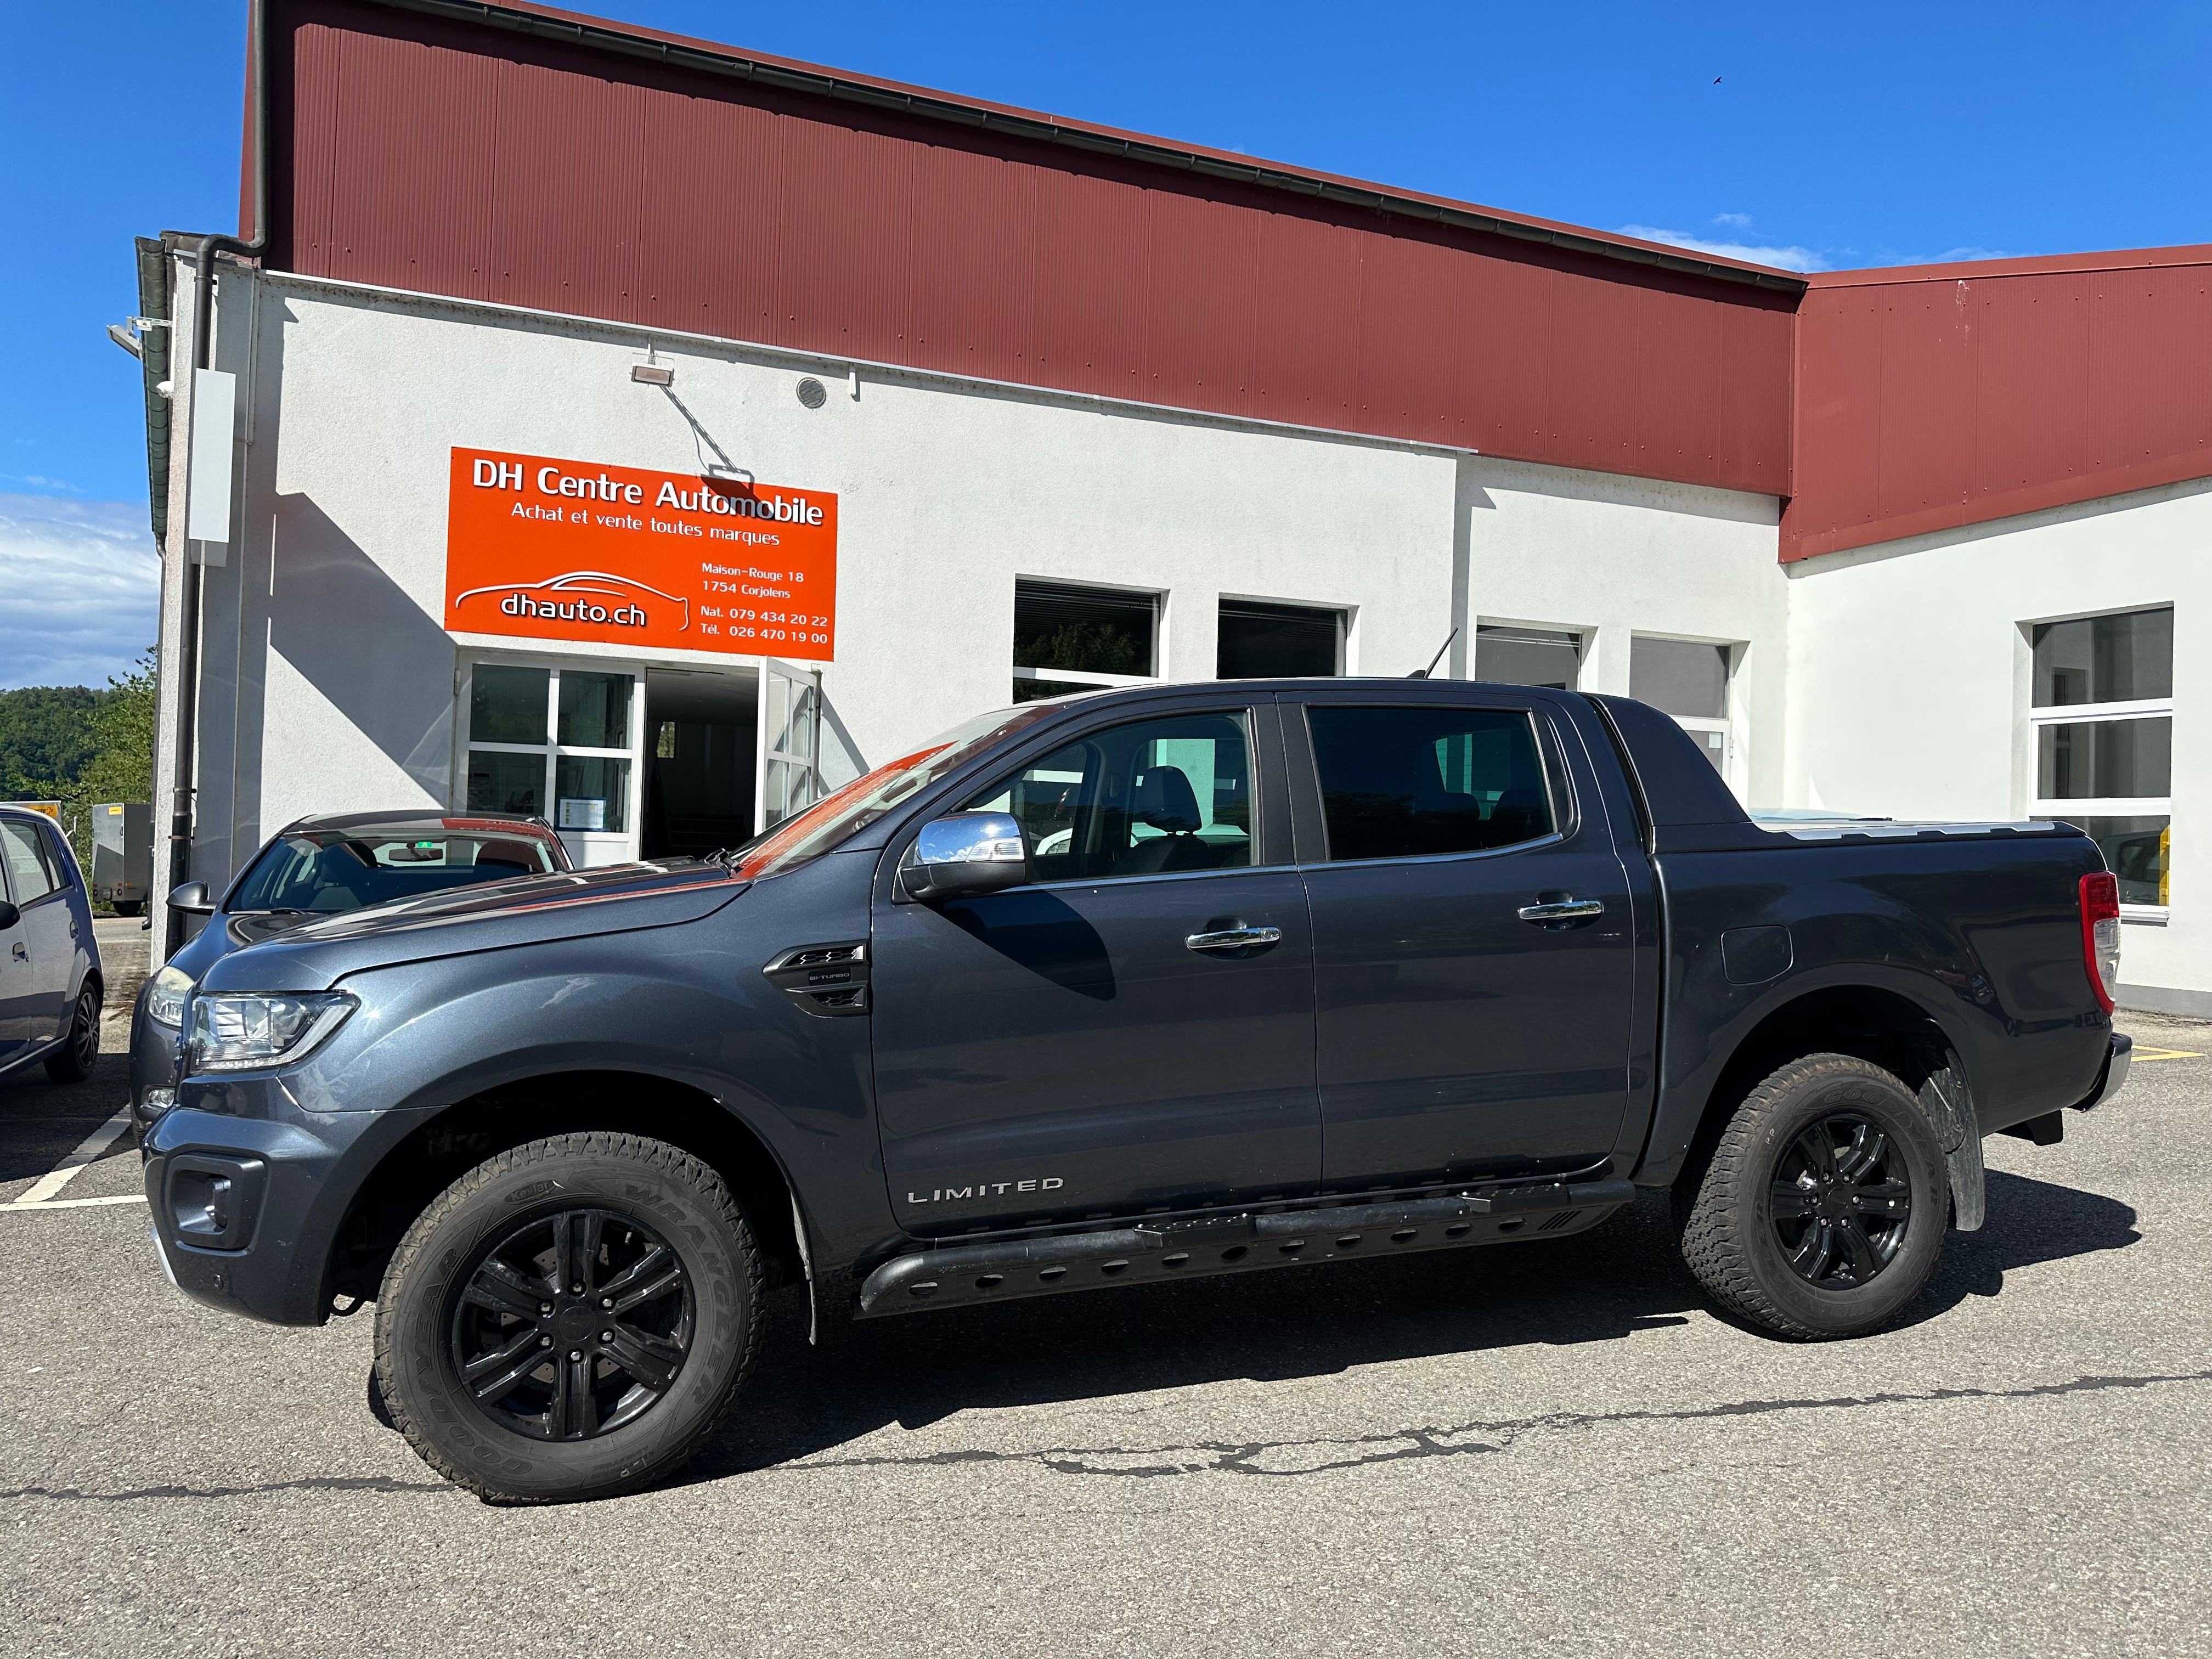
[
  {"x": 436, "y": 1152},
  {"x": 1872, "y": 1022}
]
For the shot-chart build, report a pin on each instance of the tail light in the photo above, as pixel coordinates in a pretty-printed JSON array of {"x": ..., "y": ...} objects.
[{"x": 2100, "y": 934}]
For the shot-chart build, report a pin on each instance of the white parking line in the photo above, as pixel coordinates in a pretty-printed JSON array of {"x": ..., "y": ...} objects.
[
  {"x": 76, "y": 1203},
  {"x": 48, "y": 1187}
]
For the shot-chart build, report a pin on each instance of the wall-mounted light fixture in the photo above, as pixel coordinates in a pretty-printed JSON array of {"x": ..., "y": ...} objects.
[{"x": 652, "y": 375}]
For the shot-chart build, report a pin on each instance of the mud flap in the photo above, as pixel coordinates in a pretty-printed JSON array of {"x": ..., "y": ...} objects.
[{"x": 1944, "y": 1098}]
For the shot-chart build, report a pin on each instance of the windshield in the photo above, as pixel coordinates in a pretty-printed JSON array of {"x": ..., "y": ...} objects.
[
  {"x": 329, "y": 871},
  {"x": 836, "y": 818}
]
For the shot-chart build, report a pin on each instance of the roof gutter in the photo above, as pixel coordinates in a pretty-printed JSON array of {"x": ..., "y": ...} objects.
[
  {"x": 186, "y": 679},
  {"x": 737, "y": 65}
]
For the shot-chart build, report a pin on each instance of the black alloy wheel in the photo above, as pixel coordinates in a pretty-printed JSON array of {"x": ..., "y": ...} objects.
[
  {"x": 1841, "y": 1202},
  {"x": 79, "y": 1054},
  {"x": 573, "y": 1324},
  {"x": 1820, "y": 1210}
]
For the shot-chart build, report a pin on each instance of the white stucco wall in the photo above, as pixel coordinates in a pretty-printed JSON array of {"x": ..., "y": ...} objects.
[
  {"x": 1613, "y": 558},
  {"x": 1909, "y": 687},
  {"x": 329, "y": 682}
]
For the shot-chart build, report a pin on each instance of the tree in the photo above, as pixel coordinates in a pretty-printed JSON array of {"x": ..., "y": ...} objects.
[
  {"x": 121, "y": 763},
  {"x": 45, "y": 739}
]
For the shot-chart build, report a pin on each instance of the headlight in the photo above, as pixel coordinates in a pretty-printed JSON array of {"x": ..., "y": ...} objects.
[
  {"x": 235, "y": 1032},
  {"x": 165, "y": 997}
]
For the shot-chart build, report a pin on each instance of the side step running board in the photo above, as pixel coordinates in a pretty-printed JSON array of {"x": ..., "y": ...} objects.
[{"x": 961, "y": 1275}]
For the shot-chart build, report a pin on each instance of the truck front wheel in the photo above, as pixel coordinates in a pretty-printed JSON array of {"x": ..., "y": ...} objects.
[
  {"x": 1824, "y": 1207},
  {"x": 571, "y": 1319}
]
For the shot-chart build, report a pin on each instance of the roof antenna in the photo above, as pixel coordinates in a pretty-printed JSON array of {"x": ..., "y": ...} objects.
[{"x": 1422, "y": 673}]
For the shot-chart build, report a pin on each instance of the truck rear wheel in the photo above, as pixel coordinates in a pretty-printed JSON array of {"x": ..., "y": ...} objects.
[
  {"x": 569, "y": 1320},
  {"x": 1825, "y": 1206}
]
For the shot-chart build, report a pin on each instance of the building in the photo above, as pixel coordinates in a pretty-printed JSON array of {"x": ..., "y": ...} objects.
[{"x": 654, "y": 435}]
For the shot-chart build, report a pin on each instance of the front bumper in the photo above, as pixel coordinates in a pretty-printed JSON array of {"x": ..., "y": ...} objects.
[
  {"x": 247, "y": 1202},
  {"x": 152, "y": 1068},
  {"x": 2116, "y": 1058}
]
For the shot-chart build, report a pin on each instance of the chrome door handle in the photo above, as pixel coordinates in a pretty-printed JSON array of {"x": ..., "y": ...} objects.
[
  {"x": 1561, "y": 910},
  {"x": 1234, "y": 938}
]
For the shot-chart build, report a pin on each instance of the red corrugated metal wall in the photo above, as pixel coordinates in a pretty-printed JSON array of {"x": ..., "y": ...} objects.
[
  {"x": 452, "y": 159},
  {"x": 1945, "y": 396}
]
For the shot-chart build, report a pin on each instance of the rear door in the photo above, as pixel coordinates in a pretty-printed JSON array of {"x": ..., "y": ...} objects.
[
  {"x": 1473, "y": 969},
  {"x": 1091, "y": 1044},
  {"x": 44, "y": 945}
]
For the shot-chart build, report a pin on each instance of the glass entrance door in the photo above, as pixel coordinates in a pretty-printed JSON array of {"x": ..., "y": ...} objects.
[
  {"x": 558, "y": 742},
  {"x": 789, "y": 755}
]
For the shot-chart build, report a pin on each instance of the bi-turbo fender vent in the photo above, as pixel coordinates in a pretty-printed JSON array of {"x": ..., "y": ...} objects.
[{"x": 829, "y": 980}]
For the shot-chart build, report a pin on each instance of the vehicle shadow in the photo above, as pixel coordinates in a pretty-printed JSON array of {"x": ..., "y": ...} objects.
[
  {"x": 41, "y": 1122},
  {"x": 1602, "y": 1287},
  {"x": 2029, "y": 1221}
]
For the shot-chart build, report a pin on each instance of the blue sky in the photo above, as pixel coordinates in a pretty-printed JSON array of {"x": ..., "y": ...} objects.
[{"x": 1817, "y": 137}]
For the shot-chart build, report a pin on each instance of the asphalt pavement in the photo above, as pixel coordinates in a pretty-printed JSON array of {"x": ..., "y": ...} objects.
[{"x": 1548, "y": 1448}]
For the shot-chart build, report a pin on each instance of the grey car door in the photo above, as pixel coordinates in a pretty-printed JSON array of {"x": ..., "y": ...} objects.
[
  {"x": 16, "y": 980},
  {"x": 44, "y": 944},
  {"x": 1094, "y": 1042}
]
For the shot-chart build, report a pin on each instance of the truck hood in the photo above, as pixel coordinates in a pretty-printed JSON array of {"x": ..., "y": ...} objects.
[{"x": 526, "y": 910}]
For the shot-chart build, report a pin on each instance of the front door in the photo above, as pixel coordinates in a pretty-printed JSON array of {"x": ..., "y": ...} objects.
[
  {"x": 1473, "y": 967},
  {"x": 1077, "y": 1047}
]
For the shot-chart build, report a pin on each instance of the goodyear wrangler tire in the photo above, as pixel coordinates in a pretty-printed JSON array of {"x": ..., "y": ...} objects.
[
  {"x": 1823, "y": 1208},
  {"x": 569, "y": 1320}
]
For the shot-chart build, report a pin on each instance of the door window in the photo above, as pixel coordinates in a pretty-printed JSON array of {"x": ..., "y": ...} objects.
[
  {"x": 1410, "y": 782},
  {"x": 30, "y": 866},
  {"x": 557, "y": 743},
  {"x": 1149, "y": 797}
]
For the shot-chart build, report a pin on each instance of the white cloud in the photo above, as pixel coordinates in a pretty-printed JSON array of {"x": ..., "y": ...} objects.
[
  {"x": 1740, "y": 220},
  {"x": 1786, "y": 258},
  {"x": 80, "y": 590}
]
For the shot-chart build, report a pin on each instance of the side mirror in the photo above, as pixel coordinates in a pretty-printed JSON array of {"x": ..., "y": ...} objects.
[
  {"x": 9, "y": 915},
  {"x": 965, "y": 856},
  {"x": 192, "y": 899}
]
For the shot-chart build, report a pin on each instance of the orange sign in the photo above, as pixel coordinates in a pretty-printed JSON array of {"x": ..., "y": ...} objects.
[{"x": 550, "y": 549}]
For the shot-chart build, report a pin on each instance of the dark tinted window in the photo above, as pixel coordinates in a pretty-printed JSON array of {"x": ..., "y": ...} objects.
[
  {"x": 1400, "y": 783},
  {"x": 1149, "y": 797},
  {"x": 2124, "y": 658},
  {"x": 1094, "y": 630},
  {"x": 1277, "y": 641}
]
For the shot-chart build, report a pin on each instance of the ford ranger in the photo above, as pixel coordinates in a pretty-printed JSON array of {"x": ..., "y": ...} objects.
[{"x": 1109, "y": 991}]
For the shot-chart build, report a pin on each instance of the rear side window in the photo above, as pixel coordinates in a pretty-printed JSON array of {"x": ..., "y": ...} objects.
[
  {"x": 30, "y": 866},
  {"x": 1409, "y": 783}
]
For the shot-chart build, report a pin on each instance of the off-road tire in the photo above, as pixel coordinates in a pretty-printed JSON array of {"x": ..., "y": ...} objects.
[
  {"x": 1729, "y": 1240},
  {"x": 79, "y": 1052},
  {"x": 665, "y": 1188}
]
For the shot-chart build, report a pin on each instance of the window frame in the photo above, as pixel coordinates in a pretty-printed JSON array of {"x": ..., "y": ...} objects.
[
  {"x": 1343, "y": 614},
  {"x": 622, "y": 843},
  {"x": 1725, "y": 724},
  {"x": 1583, "y": 635},
  {"x": 1085, "y": 677},
  {"x": 2068, "y": 809},
  {"x": 45, "y": 854}
]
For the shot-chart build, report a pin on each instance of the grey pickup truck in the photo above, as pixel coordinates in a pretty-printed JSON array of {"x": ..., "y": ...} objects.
[{"x": 1113, "y": 990}]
